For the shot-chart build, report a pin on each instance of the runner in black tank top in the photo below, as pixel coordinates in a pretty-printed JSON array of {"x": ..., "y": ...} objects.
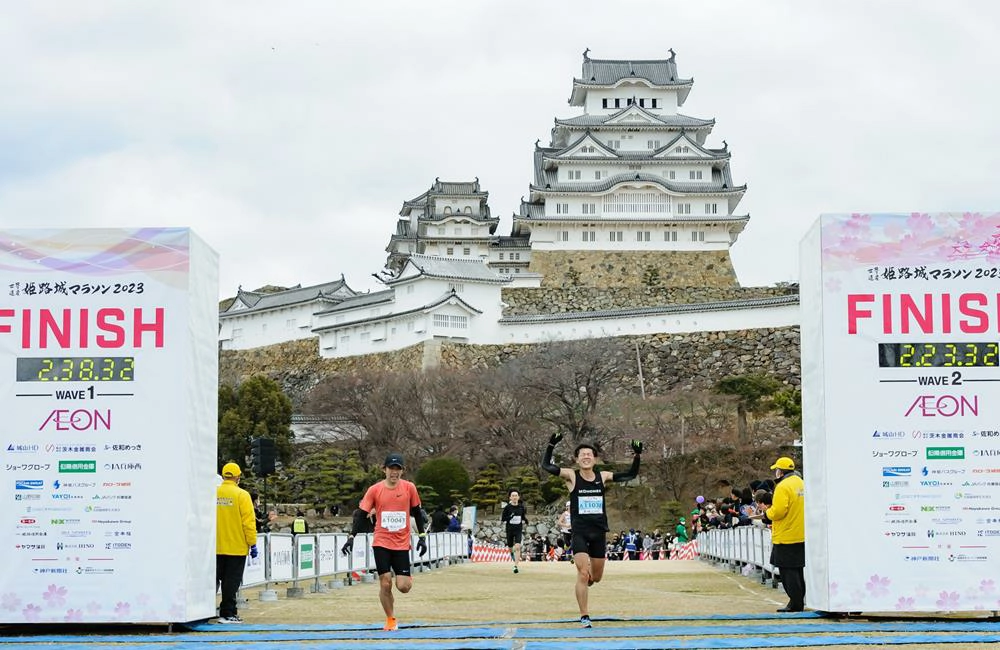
[{"x": 589, "y": 518}]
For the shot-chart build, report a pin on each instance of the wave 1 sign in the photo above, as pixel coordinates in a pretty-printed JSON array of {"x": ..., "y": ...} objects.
[{"x": 108, "y": 386}]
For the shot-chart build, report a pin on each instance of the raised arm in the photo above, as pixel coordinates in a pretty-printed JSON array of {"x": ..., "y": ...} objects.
[
  {"x": 633, "y": 471},
  {"x": 549, "y": 466}
]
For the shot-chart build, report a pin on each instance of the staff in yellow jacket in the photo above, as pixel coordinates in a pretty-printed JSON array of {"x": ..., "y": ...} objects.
[
  {"x": 235, "y": 537},
  {"x": 788, "y": 532}
]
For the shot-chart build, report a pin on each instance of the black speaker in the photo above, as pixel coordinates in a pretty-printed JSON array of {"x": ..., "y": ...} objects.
[{"x": 262, "y": 456}]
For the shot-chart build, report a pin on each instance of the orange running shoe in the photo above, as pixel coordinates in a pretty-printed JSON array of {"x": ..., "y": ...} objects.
[{"x": 390, "y": 624}]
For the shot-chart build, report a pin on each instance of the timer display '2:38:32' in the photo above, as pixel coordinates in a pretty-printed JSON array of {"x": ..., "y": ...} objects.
[
  {"x": 949, "y": 354},
  {"x": 56, "y": 369}
]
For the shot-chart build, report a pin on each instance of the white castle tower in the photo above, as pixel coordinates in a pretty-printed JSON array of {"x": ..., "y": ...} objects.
[{"x": 628, "y": 193}]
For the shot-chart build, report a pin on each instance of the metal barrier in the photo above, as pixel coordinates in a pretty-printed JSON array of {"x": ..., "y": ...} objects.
[
  {"x": 739, "y": 548},
  {"x": 284, "y": 557}
]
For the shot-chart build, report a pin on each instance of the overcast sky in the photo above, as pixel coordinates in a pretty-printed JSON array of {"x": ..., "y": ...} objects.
[{"x": 288, "y": 134}]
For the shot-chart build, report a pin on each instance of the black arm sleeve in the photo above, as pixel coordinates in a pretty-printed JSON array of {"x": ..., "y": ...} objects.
[
  {"x": 418, "y": 517},
  {"x": 630, "y": 474},
  {"x": 359, "y": 522},
  {"x": 547, "y": 464}
]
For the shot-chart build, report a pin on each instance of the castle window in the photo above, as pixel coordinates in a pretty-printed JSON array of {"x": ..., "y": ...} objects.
[
  {"x": 618, "y": 102},
  {"x": 501, "y": 257},
  {"x": 672, "y": 174},
  {"x": 562, "y": 208},
  {"x": 468, "y": 209},
  {"x": 449, "y": 251},
  {"x": 457, "y": 288},
  {"x": 632, "y": 203},
  {"x": 615, "y": 235},
  {"x": 711, "y": 208},
  {"x": 654, "y": 103},
  {"x": 441, "y": 230},
  {"x": 635, "y": 167},
  {"x": 466, "y": 251},
  {"x": 697, "y": 235},
  {"x": 615, "y": 144},
  {"x": 604, "y": 102},
  {"x": 629, "y": 102},
  {"x": 670, "y": 235},
  {"x": 440, "y": 320},
  {"x": 589, "y": 208},
  {"x": 290, "y": 323},
  {"x": 642, "y": 235},
  {"x": 409, "y": 288},
  {"x": 695, "y": 175},
  {"x": 589, "y": 235},
  {"x": 597, "y": 174},
  {"x": 517, "y": 269},
  {"x": 517, "y": 256},
  {"x": 574, "y": 174},
  {"x": 447, "y": 209},
  {"x": 563, "y": 235},
  {"x": 683, "y": 208},
  {"x": 652, "y": 144},
  {"x": 642, "y": 103}
]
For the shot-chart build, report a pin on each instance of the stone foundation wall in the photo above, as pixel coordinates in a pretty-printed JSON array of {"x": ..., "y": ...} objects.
[
  {"x": 669, "y": 361},
  {"x": 634, "y": 268},
  {"x": 525, "y": 302}
]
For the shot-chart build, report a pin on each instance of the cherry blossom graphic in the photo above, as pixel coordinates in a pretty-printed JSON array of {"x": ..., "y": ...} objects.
[
  {"x": 878, "y": 586},
  {"x": 987, "y": 586},
  {"x": 93, "y": 607},
  {"x": 905, "y": 603},
  {"x": 73, "y": 616},
  {"x": 10, "y": 602},
  {"x": 55, "y": 596},
  {"x": 948, "y": 600},
  {"x": 122, "y": 609},
  {"x": 31, "y": 612}
]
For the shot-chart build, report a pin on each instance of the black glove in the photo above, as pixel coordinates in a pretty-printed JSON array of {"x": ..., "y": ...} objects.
[
  {"x": 555, "y": 438},
  {"x": 422, "y": 545},
  {"x": 348, "y": 547},
  {"x": 636, "y": 446}
]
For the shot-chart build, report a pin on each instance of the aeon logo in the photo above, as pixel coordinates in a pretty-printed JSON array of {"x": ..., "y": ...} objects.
[
  {"x": 929, "y": 406},
  {"x": 77, "y": 420}
]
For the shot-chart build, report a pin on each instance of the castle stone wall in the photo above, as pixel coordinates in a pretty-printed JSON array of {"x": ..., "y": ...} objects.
[
  {"x": 552, "y": 300},
  {"x": 634, "y": 268}
]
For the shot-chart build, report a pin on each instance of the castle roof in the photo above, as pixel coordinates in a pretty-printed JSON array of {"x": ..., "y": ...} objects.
[
  {"x": 444, "y": 189},
  {"x": 602, "y": 73},
  {"x": 361, "y": 300},
  {"x": 536, "y": 212},
  {"x": 328, "y": 292},
  {"x": 449, "y": 297},
  {"x": 449, "y": 268},
  {"x": 651, "y": 120},
  {"x": 653, "y": 155}
]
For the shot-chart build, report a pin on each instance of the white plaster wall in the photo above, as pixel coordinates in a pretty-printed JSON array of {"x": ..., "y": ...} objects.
[{"x": 253, "y": 332}]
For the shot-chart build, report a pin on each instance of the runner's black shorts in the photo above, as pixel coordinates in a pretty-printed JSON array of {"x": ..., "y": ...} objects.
[
  {"x": 387, "y": 559},
  {"x": 514, "y": 535},
  {"x": 592, "y": 542}
]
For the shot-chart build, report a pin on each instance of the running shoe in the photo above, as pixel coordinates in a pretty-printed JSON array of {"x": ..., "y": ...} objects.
[
  {"x": 230, "y": 619},
  {"x": 390, "y": 624},
  {"x": 515, "y": 569},
  {"x": 585, "y": 621}
]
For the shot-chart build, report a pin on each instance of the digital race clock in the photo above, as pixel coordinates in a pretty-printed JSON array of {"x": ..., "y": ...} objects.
[
  {"x": 75, "y": 368},
  {"x": 949, "y": 354}
]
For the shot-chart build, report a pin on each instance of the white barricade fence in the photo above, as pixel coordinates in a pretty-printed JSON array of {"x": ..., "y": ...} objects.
[
  {"x": 255, "y": 571},
  {"x": 283, "y": 557},
  {"x": 279, "y": 557},
  {"x": 741, "y": 546},
  {"x": 305, "y": 557}
]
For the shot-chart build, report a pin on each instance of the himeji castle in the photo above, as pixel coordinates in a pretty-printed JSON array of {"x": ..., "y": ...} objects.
[
  {"x": 628, "y": 194},
  {"x": 629, "y": 189}
]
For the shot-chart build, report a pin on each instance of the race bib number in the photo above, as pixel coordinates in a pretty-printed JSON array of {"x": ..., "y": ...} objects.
[
  {"x": 591, "y": 505},
  {"x": 515, "y": 519},
  {"x": 393, "y": 520}
]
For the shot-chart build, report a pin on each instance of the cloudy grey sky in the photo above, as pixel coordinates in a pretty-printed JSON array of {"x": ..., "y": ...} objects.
[{"x": 288, "y": 134}]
